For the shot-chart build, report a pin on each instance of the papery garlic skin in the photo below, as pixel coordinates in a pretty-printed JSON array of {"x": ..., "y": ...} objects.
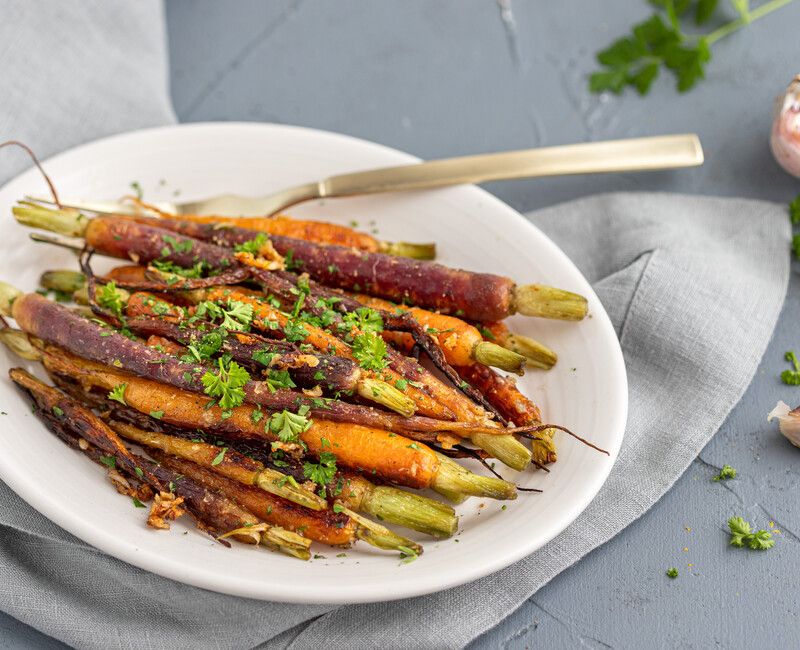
[
  {"x": 788, "y": 421},
  {"x": 785, "y": 137}
]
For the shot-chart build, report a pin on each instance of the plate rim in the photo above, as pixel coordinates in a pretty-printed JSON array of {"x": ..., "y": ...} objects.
[{"x": 169, "y": 568}]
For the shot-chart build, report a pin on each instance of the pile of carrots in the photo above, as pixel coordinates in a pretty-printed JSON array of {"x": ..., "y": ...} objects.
[{"x": 281, "y": 381}]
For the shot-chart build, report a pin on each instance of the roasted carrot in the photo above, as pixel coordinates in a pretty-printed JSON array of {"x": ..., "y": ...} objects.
[
  {"x": 317, "y": 231},
  {"x": 503, "y": 393},
  {"x": 71, "y": 421},
  {"x": 390, "y": 456},
  {"x": 482, "y": 297},
  {"x": 323, "y": 526}
]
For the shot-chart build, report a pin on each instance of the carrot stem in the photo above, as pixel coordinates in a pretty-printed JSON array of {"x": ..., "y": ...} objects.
[
  {"x": 453, "y": 478},
  {"x": 491, "y": 354},
  {"x": 64, "y": 222},
  {"x": 537, "y": 354},
  {"x": 410, "y": 510},
  {"x": 549, "y": 302},
  {"x": 407, "y": 249}
]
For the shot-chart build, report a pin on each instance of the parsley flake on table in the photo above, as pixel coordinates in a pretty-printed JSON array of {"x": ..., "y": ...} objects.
[
  {"x": 118, "y": 394},
  {"x": 226, "y": 386},
  {"x": 791, "y": 377},
  {"x": 672, "y": 573},
  {"x": 726, "y": 473},
  {"x": 369, "y": 349},
  {"x": 742, "y": 535}
]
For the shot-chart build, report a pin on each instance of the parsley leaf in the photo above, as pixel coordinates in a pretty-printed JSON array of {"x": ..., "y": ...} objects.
[
  {"x": 741, "y": 535},
  {"x": 118, "y": 394},
  {"x": 137, "y": 503},
  {"x": 207, "y": 346},
  {"x": 672, "y": 573},
  {"x": 236, "y": 316},
  {"x": 364, "y": 319},
  {"x": 109, "y": 461},
  {"x": 321, "y": 473},
  {"x": 791, "y": 377},
  {"x": 227, "y": 386},
  {"x": 370, "y": 351},
  {"x": 219, "y": 457},
  {"x": 294, "y": 331},
  {"x": 727, "y": 472},
  {"x": 277, "y": 379},
  {"x": 288, "y": 426}
]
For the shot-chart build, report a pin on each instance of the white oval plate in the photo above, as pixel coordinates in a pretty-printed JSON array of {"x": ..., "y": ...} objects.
[{"x": 587, "y": 390}]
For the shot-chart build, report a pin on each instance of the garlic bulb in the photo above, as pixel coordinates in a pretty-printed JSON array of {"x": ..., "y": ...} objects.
[
  {"x": 785, "y": 137},
  {"x": 788, "y": 421}
]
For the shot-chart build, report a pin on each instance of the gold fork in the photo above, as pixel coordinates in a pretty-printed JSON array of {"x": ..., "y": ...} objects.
[{"x": 634, "y": 154}]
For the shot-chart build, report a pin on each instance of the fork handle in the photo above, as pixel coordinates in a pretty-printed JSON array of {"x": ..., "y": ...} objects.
[{"x": 634, "y": 154}]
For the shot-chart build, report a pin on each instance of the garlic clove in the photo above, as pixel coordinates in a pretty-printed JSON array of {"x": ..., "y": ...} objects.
[
  {"x": 788, "y": 421},
  {"x": 785, "y": 136}
]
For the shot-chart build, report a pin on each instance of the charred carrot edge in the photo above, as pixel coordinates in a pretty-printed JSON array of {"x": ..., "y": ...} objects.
[{"x": 221, "y": 513}]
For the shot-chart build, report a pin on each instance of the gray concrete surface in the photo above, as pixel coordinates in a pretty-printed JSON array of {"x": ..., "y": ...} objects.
[{"x": 455, "y": 77}]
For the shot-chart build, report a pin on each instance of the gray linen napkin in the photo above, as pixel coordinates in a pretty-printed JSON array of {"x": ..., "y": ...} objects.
[{"x": 693, "y": 285}]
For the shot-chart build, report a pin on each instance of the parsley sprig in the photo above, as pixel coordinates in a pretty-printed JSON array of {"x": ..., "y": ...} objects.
[
  {"x": 118, "y": 394},
  {"x": 660, "y": 42},
  {"x": 226, "y": 386},
  {"x": 253, "y": 246},
  {"x": 111, "y": 298},
  {"x": 742, "y": 535}
]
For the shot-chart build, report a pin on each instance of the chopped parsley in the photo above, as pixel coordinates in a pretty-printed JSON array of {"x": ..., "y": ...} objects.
[
  {"x": 137, "y": 188},
  {"x": 226, "y": 386},
  {"x": 672, "y": 573},
  {"x": 236, "y": 316},
  {"x": 364, "y": 319},
  {"x": 109, "y": 461},
  {"x": 118, "y": 394},
  {"x": 322, "y": 472},
  {"x": 253, "y": 246},
  {"x": 401, "y": 384},
  {"x": 794, "y": 210},
  {"x": 137, "y": 503},
  {"x": 197, "y": 270},
  {"x": 337, "y": 508},
  {"x": 58, "y": 411},
  {"x": 370, "y": 351},
  {"x": 742, "y": 535},
  {"x": 294, "y": 331},
  {"x": 111, "y": 298},
  {"x": 288, "y": 426},
  {"x": 486, "y": 333},
  {"x": 207, "y": 346},
  {"x": 264, "y": 356},
  {"x": 219, "y": 457},
  {"x": 727, "y": 472},
  {"x": 157, "y": 414}
]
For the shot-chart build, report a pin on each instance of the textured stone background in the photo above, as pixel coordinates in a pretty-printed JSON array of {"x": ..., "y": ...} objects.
[{"x": 454, "y": 77}]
